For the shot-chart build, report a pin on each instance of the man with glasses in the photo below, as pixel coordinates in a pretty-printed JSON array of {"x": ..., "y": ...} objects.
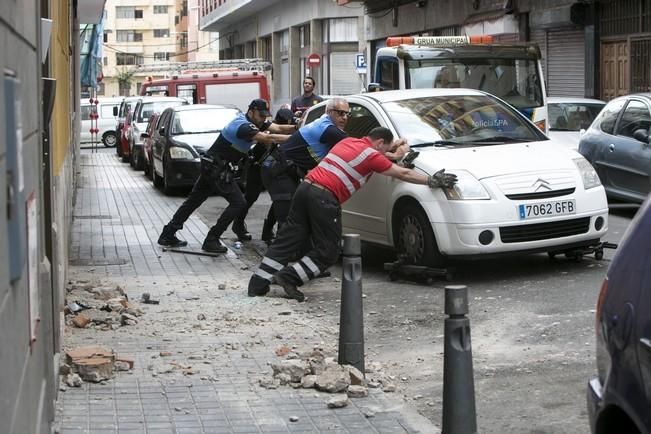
[
  {"x": 216, "y": 175},
  {"x": 302, "y": 103},
  {"x": 284, "y": 168}
]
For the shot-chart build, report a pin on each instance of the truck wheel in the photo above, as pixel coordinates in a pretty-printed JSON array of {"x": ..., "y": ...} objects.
[
  {"x": 109, "y": 139},
  {"x": 415, "y": 237}
]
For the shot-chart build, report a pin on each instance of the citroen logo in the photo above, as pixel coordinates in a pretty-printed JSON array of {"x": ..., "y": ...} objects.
[{"x": 540, "y": 184}]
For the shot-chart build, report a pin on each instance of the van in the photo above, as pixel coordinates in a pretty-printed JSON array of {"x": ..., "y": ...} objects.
[
  {"x": 106, "y": 121},
  {"x": 236, "y": 88}
]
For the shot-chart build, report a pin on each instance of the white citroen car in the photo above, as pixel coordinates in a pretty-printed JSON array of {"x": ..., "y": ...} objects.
[{"x": 517, "y": 192}]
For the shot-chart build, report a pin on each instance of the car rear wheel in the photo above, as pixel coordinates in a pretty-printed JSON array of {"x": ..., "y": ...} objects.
[
  {"x": 415, "y": 238},
  {"x": 109, "y": 139}
]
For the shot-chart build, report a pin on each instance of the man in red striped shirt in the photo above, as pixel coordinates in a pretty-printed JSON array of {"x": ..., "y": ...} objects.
[{"x": 316, "y": 209}]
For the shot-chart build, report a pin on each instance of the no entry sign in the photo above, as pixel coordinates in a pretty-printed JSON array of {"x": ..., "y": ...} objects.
[{"x": 314, "y": 60}]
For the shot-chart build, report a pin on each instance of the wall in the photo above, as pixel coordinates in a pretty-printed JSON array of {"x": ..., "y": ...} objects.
[{"x": 26, "y": 307}]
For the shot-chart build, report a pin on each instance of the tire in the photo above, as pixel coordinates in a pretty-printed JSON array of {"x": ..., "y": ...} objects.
[
  {"x": 148, "y": 169},
  {"x": 138, "y": 161},
  {"x": 109, "y": 139},
  {"x": 414, "y": 237},
  {"x": 167, "y": 189},
  {"x": 132, "y": 158}
]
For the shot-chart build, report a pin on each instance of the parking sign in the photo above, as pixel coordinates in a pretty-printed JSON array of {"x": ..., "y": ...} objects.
[{"x": 360, "y": 63}]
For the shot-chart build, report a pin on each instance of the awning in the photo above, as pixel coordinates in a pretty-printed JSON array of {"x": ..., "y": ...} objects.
[{"x": 90, "y": 11}]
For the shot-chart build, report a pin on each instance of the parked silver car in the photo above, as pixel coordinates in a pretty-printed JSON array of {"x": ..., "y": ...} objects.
[
  {"x": 618, "y": 150},
  {"x": 569, "y": 117}
]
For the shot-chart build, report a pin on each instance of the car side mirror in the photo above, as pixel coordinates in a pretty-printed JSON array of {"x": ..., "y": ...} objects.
[
  {"x": 115, "y": 111},
  {"x": 582, "y": 132},
  {"x": 161, "y": 131},
  {"x": 641, "y": 135},
  {"x": 375, "y": 87},
  {"x": 144, "y": 136}
]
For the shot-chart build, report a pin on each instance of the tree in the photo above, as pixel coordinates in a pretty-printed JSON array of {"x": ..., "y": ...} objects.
[{"x": 124, "y": 78}]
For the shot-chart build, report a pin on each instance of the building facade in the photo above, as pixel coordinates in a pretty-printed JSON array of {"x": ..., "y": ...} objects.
[
  {"x": 592, "y": 48},
  {"x": 307, "y": 38},
  {"x": 38, "y": 154},
  {"x": 138, "y": 35}
]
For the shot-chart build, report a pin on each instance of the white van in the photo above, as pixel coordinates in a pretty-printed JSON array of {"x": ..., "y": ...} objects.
[{"x": 106, "y": 121}]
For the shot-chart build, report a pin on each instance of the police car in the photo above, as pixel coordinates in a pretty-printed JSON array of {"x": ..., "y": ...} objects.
[{"x": 517, "y": 191}]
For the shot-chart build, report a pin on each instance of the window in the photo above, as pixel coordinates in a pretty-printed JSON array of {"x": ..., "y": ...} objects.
[
  {"x": 187, "y": 91},
  {"x": 609, "y": 116},
  {"x": 105, "y": 37},
  {"x": 128, "y": 36},
  {"x": 128, "y": 59},
  {"x": 388, "y": 70},
  {"x": 161, "y": 55},
  {"x": 304, "y": 36},
  {"x": 125, "y": 89},
  {"x": 360, "y": 121},
  {"x": 315, "y": 114},
  {"x": 635, "y": 117},
  {"x": 105, "y": 61},
  {"x": 85, "y": 112},
  {"x": 161, "y": 33},
  {"x": 160, "y": 9},
  {"x": 128, "y": 12},
  {"x": 341, "y": 30},
  {"x": 101, "y": 90},
  {"x": 283, "y": 43}
]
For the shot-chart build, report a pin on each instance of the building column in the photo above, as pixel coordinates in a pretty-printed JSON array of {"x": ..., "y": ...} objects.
[
  {"x": 295, "y": 85},
  {"x": 316, "y": 46},
  {"x": 275, "y": 64}
]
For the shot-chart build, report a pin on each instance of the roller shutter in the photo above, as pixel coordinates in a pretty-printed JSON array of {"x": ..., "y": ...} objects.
[
  {"x": 563, "y": 60},
  {"x": 344, "y": 79}
]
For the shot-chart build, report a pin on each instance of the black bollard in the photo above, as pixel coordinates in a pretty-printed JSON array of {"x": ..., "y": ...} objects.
[
  {"x": 459, "y": 416},
  {"x": 351, "y": 319}
]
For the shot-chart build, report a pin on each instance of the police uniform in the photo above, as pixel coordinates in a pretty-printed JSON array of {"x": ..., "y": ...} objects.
[
  {"x": 283, "y": 170},
  {"x": 316, "y": 214},
  {"x": 216, "y": 177}
]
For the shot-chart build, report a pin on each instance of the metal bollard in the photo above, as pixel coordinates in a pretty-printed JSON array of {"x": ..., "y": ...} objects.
[
  {"x": 459, "y": 415},
  {"x": 351, "y": 319}
]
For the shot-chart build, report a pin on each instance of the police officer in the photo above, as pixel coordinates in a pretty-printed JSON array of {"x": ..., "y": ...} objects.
[
  {"x": 283, "y": 170},
  {"x": 253, "y": 186},
  {"x": 216, "y": 175},
  {"x": 316, "y": 209}
]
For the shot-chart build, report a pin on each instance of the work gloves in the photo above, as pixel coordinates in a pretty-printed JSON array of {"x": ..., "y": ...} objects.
[{"x": 441, "y": 180}]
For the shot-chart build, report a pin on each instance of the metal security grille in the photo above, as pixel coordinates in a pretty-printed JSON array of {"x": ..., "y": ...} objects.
[
  {"x": 544, "y": 231},
  {"x": 623, "y": 17},
  {"x": 641, "y": 66}
]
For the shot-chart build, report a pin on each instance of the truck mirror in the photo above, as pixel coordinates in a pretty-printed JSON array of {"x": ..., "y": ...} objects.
[
  {"x": 115, "y": 111},
  {"x": 375, "y": 87},
  {"x": 161, "y": 131},
  {"x": 144, "y": 136}
]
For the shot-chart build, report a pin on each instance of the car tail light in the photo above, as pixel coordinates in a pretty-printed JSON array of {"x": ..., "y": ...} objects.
[{"x": 600, "y": 302}]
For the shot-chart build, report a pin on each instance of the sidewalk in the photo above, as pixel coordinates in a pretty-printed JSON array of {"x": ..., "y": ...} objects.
[{"x": 200, "y": 354}]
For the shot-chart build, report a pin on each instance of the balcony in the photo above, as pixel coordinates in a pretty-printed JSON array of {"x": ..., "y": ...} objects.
[{"x": 231, "y": 13}]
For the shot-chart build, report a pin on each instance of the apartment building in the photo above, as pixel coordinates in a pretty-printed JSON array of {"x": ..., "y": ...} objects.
[
  {"x": 309, "y": 37},
  {"x": 142, "y": 33}
]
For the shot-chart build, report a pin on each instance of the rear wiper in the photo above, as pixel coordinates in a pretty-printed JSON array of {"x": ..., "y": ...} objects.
[{"x": 437, "y": 143}]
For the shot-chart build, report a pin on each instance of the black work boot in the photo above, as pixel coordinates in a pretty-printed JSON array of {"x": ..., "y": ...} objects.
[
  {"x": 290, "y": 289},
  {"x": 239, "y": 227},
  {"x": 212, "y": 244},
  {"x": 268, "y": 231},
  {"x": 258, "y": 286},
  {"x": 168, "y": 238}
]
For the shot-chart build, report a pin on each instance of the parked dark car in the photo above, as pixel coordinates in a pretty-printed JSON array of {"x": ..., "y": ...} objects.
[
  {"x": 619, "y": 398},
  {"x": 182, "y": 135},
  {"x": 622, "y": 160},
  {"x": 122, "y": 112},
  {"x": 148, "y": 144}
]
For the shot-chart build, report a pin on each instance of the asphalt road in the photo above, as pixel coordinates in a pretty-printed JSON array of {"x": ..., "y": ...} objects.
[{"x": 532, "y": 327}]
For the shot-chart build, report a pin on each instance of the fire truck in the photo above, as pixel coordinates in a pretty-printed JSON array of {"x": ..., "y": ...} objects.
[
  {"x": 230, "y": 82},
  {"x": 511, "y": 72}
]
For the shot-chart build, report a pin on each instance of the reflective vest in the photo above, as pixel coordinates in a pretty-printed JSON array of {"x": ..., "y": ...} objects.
[
  {"x": 230, "y": 133},
  {"x": 311, "y": 133}
]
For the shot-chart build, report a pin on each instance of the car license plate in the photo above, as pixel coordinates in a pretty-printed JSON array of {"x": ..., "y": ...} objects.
[{"x": 546, "y": 209}]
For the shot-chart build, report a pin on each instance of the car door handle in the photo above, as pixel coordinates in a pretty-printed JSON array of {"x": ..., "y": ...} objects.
[{"x": 611, "y": 147}]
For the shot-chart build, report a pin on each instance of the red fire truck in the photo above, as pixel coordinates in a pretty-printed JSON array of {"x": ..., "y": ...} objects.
[{"x": 234, "y": 82}]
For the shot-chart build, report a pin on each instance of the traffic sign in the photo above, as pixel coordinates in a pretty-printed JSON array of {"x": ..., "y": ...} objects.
[
  {"x": 360, "y": 61},
  {"x": 314, "y": 60}
]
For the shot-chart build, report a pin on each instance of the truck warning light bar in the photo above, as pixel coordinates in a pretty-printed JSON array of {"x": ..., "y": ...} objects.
[{"x": 438, "y": 41}]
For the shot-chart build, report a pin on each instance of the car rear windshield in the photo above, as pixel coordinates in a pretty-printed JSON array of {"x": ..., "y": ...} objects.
[
  {"x": 149, "y": 108},
  {"x": 202, "y": 121},
  {"x": 571, "y": 116},
  {"x": 460, "y": 119}
]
